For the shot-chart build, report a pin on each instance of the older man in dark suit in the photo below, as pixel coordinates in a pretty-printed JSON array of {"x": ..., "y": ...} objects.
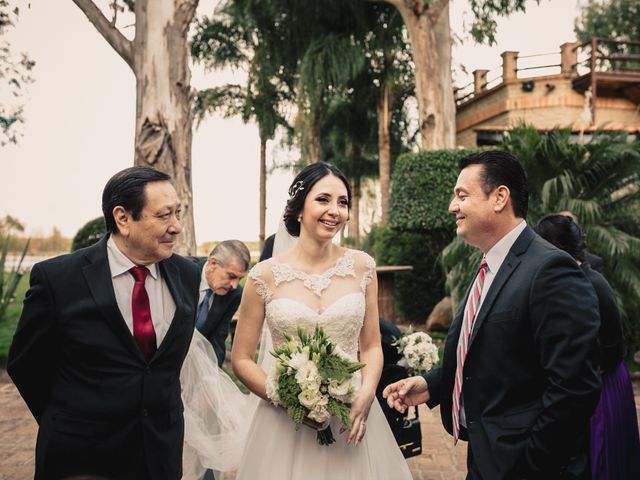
[
  {"x": 519, "y": 378},
  {"x": 102, "y": 337},
  {"x": 220, "y": 292}
]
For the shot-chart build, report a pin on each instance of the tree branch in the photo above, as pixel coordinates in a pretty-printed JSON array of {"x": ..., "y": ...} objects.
[{"x": 111, "y": 34}]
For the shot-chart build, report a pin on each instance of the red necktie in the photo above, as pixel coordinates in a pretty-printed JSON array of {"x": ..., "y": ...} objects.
[
  {"x": 143, "y": 331},
  {"x": 463, "y": 344}
]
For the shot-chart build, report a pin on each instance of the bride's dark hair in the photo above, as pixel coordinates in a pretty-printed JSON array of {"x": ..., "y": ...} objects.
[{"x": 300, "y": 187}]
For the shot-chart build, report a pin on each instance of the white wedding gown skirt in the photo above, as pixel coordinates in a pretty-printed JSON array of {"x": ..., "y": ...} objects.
[
  {"x": 223, "y": 433},
  {"x": 274, "y": 450},
  {"x": 336, "y": 301}
]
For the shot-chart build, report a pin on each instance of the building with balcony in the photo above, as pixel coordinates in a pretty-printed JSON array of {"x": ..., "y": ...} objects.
[{"x": 597, "y": 87}]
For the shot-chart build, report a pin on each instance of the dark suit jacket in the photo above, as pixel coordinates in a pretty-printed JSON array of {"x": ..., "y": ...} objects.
[
  {"x": 101, "y": 407},
  {"x": 530, "y": 378},
  {"x": 594, "y": 261},
  {"x": 610, "y": 337},
  {"x": 216, "y": 328}
]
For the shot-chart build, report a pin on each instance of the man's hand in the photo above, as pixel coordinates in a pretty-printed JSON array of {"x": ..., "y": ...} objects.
[{"x": 406, "y": 393}]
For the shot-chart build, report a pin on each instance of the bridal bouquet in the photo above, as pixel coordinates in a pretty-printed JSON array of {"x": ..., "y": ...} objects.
[
  {"x": 419, "y": 351},
  {"x": 311, "y": 378}
]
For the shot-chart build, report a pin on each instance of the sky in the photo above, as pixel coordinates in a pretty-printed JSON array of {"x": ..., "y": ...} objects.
[{"x": 80, "y": 114}]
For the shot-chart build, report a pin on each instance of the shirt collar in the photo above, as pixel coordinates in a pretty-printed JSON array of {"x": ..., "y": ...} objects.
[
  {"x": 496, "y": 255},
  {"x": 119, "y": 263},
  {"x": 204, "y": 286}
]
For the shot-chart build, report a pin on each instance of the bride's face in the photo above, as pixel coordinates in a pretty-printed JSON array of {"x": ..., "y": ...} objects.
[{"x": 326, "y": 208}]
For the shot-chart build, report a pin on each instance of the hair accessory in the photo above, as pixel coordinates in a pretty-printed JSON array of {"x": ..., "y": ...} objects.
[{"x": 295, "y": 188}]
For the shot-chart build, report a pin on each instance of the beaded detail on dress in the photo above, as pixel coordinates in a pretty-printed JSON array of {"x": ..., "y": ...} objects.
[
  {"x": 315, "y": 282},
  {"x": 341, "y": 319}
]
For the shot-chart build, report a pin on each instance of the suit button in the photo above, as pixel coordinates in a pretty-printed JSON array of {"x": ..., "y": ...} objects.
[
  {"x": 467, "y": 378},
  {"x": 145, "y": 413}
]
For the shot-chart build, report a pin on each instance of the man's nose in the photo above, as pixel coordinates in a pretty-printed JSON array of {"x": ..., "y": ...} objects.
[
  {"x": 234, "y": 283},
  {"x": 175, "y": 227},
  {"x": 453, "y": 206}
]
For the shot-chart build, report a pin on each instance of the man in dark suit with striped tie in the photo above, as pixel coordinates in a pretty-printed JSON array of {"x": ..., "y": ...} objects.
[
  {"x": 220, "y": 292},
  {"x": 519, "y": 377}
]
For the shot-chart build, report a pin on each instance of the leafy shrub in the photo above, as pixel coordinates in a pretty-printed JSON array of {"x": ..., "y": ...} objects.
[
  {"x": 9, "y": 280},
  {"x": 89, "y": 234},
  {"x": 419, "y": 228}
]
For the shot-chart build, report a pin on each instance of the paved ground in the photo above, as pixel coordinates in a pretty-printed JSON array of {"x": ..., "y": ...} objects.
[{"x": 440, "y": 460}]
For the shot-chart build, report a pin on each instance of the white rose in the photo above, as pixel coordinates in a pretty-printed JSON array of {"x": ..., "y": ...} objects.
[
  {"x": 272, "y": 387},
  {"x": 345, "y": 391},
  {"x": 313, "y": 386},
  {"x": 308, "y": 399},
  {"x": 320, "y": 414},
  {"x": 339, "y": 389}
]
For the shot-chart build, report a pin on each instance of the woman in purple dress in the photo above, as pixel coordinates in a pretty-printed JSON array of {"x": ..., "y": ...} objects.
[{"x": 615, "y": 444}]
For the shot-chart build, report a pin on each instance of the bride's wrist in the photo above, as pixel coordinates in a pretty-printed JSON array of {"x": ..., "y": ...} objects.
[{"x": 367, "y": 393}]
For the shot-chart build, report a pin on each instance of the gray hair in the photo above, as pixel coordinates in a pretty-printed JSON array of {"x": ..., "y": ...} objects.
[{"x": 225, "y": 251}]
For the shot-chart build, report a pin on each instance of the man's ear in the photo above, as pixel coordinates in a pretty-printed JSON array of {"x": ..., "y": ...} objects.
[
  {"x": 501, "y": 196},
  {"x": 212, "y": 261},
  {"x": 122, "y": 219}
]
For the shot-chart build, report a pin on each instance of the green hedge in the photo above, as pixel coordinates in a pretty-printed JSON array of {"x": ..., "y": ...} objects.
[
  {"x": 89, "y": 234},
  {"x": 422, "y": 190},
  {"x": 420, "y": 226}
]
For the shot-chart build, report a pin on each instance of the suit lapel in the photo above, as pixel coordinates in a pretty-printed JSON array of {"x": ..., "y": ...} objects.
[
  {"x": 98, "y": 276},
  {"x": 509, "y": 265},
  {"x": 171, "y": 275}
]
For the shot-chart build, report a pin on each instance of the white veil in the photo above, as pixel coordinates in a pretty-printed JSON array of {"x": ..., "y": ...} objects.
[{"x": 217, "y": 414}]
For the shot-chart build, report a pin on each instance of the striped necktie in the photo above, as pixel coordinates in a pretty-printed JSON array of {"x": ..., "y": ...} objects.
[{"x": 463, "y": 344}]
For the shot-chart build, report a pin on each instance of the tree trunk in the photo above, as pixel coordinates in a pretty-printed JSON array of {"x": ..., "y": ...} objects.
[
  {"x": 355, "y": 212},
  {"x": 384, "y": 147},
  {"x": 159, "y": 56},
  {"x": 263, "y": 188},
  {"x": 430, "y": 35},
  {"x": 314, "y": 148},
  {"x": 163, "y": 99}
]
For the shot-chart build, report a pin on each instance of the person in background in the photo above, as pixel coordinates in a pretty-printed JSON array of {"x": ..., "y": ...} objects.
[
  {"x": 596, "y": 262},
  {"x": 220, "y": 292},
  {"x": 615, "y": 446}
]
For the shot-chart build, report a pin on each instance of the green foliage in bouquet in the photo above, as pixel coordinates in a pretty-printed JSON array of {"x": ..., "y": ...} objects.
[{"x": 309, "y": 370}]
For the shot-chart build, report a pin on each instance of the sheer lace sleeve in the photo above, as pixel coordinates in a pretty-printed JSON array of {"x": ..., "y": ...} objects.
[
  {"x": 369, "y": 270},
  {"x": 256, "y": 276}
]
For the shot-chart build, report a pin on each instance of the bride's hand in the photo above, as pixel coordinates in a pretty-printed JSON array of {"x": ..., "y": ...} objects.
[{"x": 358, "y": 415}]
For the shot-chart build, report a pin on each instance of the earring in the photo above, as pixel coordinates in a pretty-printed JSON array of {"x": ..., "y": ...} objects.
[{"x": 299, "y": 218}]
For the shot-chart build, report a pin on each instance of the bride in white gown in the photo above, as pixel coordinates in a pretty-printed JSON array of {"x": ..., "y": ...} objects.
[{"x": 315, "y": 283}]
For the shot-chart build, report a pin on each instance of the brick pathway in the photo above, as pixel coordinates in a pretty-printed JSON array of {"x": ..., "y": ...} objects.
[{"x": 440, "y": 460}]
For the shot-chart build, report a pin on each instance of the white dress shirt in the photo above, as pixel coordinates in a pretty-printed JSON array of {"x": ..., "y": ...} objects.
[
  {"x": 163, "y": 308},
  {"x": 204, "y": 286},
  {"x": 494, "y": 258}
]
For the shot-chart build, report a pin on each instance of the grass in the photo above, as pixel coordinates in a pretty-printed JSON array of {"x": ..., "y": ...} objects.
[{"x": 8, "y": 324}]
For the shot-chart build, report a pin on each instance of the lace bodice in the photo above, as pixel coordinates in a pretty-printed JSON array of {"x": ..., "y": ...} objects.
[{"x": 334, "y": 299}]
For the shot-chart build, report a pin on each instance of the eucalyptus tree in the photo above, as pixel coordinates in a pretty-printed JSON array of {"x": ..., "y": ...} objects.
[
  {"x": 230, "y": 38},
  {"x": 158, "y": 56},
  {"x": 429, "y": 30}
]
